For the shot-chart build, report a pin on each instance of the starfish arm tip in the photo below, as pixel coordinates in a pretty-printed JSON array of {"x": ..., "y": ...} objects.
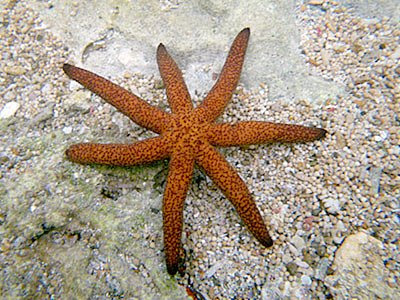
[
  {"x": 160, "y": 47},
  {"x": 172, "y": 269},
  {"x": 68, "y": 152},
  {"x": 324, "y": 132},
  {"x": 74, "y": 153},
  {"x": 267, "y": 242},
  {"x": 67, "y": 67}
]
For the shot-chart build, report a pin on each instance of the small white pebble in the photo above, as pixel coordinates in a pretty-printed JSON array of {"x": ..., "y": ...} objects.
[
  {"x": 9, "y": 109},
  {"x": 306, "y": 280},
  {"x": 67, "y": 130}
]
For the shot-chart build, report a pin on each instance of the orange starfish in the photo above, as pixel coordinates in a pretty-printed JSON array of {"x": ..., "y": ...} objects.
[{"x": 187, "y": 137}]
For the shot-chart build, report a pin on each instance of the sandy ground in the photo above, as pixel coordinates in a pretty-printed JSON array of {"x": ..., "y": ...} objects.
[{"x": 71, "y": 231}]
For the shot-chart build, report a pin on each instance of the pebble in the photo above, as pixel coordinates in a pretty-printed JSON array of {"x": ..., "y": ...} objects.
[
  {"x": 10, "y": 95},
  {"x": 332, "y": 205},
  {"x": 42, "y": 116},
  {"x": 322, "y": 268},
  {"x": 321, "y": 250},
  {"x": 306, "y": 280},
  {"x": 396, "y": 53},
  {"x": 211, "y": 271},
  {"x": 67, "y": 129},
  {"x": 316, "y": 2},
  {"x": 292, "y": 268},
  {"x": 298, "y": 242},
  {"x": 14, "y": 70},
  {"x": 375, "y": 177},
  {"x": 302, "y": 264},
  {"x": 9, "y": 110}
]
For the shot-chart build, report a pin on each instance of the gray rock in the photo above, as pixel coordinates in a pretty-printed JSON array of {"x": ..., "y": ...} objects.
[
  {"x": 110, "y": 39},
  {"x": 359, "y": 270}
]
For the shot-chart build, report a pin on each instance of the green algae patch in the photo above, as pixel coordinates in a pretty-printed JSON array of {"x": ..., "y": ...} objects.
[{"x": 67, "y": 237}]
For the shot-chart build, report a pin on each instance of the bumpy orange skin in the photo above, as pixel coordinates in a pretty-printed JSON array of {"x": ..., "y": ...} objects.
[{"x": 187, "y": 136}]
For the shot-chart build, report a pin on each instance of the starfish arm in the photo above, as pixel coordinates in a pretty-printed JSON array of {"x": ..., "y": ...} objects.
[
  {"x": 255, "y": 132},
  {"x": 177, "y": 92},
  {"x": 146, "y": 151},
  {"x": 179, "y": 177},
  {"x": 233, "y": 187},
  {"x": 129, "y": 104},
  {"x": 220, "y": 94}
]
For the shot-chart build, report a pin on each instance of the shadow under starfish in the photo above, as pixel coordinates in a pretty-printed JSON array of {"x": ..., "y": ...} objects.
[{"x": 187, "y": 136}]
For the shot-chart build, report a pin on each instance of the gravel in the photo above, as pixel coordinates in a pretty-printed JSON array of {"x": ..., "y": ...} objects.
[{"x": 96, "y": 232}]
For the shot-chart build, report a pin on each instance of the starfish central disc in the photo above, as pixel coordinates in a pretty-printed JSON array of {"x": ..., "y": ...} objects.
[{"x": 186, "y": 128}]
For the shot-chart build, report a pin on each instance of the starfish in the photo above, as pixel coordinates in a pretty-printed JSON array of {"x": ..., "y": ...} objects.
[{"x": 187, "y": 136}]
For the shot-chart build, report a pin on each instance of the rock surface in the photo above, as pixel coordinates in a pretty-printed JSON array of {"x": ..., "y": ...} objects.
[
  {"x": 360, "y": 271},
  {"x": 110, "y": 37}
]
